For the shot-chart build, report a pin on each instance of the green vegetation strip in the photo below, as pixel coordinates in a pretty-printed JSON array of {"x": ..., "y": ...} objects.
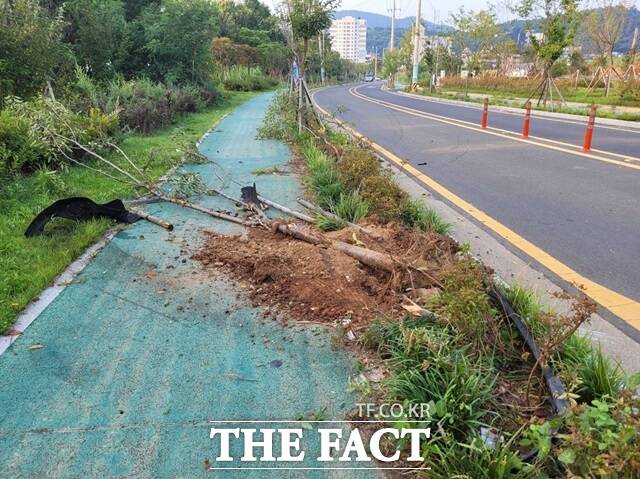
[{"x": 29, "y": 265}]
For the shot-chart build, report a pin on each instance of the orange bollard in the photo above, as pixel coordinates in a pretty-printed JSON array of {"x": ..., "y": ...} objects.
[
  {"x": 485, "y": 112},
  {"x": 589, "y": 134},
  {"x": 527, "y": 120}
]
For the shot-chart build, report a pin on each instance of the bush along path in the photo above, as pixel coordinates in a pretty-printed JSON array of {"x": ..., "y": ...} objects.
[
  {"x": 122, "y": 373},
  {"x": 429, "y": 329}
]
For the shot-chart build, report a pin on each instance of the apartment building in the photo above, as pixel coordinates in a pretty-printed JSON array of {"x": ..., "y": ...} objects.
[{"x": 349, "y": 38}]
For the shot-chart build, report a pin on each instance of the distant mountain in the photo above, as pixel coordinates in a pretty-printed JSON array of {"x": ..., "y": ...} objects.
[
  {"x": 517, "y": 31},
  {"x": 379, "y": 27},
  {"x": 375, "y": 20}
]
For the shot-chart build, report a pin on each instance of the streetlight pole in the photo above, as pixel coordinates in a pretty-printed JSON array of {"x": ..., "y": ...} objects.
[{"x": 416, "y": 47}]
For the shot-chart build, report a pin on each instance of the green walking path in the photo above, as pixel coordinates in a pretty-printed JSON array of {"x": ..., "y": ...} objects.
[{"x": 143, "y": 349}]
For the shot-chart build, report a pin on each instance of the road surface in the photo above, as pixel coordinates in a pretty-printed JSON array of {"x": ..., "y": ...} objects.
[{"x": 582, "y": 212}]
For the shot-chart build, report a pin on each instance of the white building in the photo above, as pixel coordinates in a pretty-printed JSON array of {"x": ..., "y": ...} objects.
[{"x": 349, "y": 38}]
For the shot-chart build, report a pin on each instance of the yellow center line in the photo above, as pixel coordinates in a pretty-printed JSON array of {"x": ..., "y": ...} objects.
[
  {"x": 491, "y": 131},
  {"x": 625, "y": 308}
]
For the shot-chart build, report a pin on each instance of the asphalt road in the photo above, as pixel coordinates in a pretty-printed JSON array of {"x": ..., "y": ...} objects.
[
  {"x": 619, "y": 140},
  {"x": 584, "y": 212}
]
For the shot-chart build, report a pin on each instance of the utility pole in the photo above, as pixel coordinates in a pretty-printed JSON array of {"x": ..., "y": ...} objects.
[
  {"x": 416, "y": 47},
  {"x": 435, "y": 47},
  {"x": 393, "y": 25}
]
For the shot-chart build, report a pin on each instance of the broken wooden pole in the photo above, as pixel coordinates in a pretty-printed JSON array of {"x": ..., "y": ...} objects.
[
  {"x": 284, "y": 209},
  {"x": 202, "y": 209},
  {"x": 153, "y": 219}
]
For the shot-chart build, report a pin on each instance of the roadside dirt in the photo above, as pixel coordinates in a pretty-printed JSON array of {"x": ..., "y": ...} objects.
[{"x": 321, "y": 284}]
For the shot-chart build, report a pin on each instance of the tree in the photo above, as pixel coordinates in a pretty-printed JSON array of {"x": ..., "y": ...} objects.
[
  {"x": 307, "y": 19},
  {"x": 476, "y": 35},
  {"x": 98, "y": 34},
  {"x": 391, "y": 64},
  {"x": 31, "y": 48},
  {"x": 559, "y": 21},
  {"x": 440, "y": 58},
  {"x": 176, "y": 37},
  {"x": 273, "y": 58},
  {"x": 604, "y": 26}
]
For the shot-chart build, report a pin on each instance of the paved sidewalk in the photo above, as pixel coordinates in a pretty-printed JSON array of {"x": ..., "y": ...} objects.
[{"x": 142, "y": 349}]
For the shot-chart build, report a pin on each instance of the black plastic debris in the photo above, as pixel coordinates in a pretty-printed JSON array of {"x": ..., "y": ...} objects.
[{"x": 80, "y": 209}]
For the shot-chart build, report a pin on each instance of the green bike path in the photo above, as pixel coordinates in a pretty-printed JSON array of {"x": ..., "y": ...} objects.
[{"x": 143, "y": 349}]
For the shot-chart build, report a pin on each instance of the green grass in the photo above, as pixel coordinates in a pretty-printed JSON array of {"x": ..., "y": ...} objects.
[
  {"x": 598, "y": 375},
  {"x": 29, "y": 265},
  {"x": 323, "y": 178},
  {"x": 415, "y": 214}
]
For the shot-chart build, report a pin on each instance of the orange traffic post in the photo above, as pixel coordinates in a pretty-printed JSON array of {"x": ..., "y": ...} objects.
[
  {"x": 589, "y": 134},
  {"x": 527, "y": 120},
  {"x": 485, "y": 112}
]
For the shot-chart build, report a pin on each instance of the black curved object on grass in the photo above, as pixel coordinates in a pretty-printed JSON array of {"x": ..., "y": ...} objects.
[
  {"x": 80, "y": 209},
  {"x": 554, "y": 385}
]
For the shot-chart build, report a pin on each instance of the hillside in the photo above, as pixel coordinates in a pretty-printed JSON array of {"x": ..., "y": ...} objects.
[{"x": 379, "y": 28}]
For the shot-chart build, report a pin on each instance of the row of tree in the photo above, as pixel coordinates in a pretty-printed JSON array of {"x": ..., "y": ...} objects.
[
  {"x": 479, "y": 41},
  {"x": 164, "y": 40}
]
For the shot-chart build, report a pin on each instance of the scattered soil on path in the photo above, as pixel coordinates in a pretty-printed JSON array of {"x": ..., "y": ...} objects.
[{"x": 321, "y": 284}]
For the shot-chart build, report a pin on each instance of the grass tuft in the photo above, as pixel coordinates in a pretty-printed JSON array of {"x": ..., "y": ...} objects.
[{"x": 415, "y": 214}]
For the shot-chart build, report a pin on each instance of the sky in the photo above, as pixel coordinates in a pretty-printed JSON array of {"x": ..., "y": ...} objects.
[{"x": 438, "y": 9}]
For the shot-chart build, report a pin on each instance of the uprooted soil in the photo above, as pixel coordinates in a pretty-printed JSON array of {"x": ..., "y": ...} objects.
[{"x": 321, "y": 284}]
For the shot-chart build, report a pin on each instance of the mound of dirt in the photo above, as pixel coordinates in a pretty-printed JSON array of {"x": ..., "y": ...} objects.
[{"x": 321, "y": 284}]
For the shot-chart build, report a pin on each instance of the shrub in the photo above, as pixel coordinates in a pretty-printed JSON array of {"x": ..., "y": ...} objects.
[
  {"x": 186, "y": 99},
  {"x": 144, "y": 106},
  {"x": 630, "y": 90},
  {"x": 464, "y": 304},
  {"x": 52, "y": 125},
  {"x": 249, "y": 83},
  {"x": 600, "y": 440},
  {"x": 415, "y": 214},
  {"x": 357, "y": 164},
  {"x": 280, "y": 118},
  {"x": 20, "y": 150},
  {"x": 383, "y": 195}
]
